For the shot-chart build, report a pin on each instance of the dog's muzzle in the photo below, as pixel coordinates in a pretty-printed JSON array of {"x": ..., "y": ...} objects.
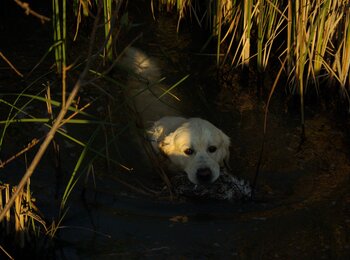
[{"x": 204, "y": 175}]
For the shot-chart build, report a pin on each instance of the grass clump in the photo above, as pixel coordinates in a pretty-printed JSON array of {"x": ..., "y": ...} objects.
[
  {"x": 313, "y": 37},
  {"x": 41, "y": 110}
]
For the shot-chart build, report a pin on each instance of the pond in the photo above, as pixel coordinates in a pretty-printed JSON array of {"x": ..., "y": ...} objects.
[{"x": 301, "y": 208}]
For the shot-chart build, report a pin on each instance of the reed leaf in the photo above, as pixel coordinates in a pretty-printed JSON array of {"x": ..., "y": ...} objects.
[
  {"x": 107, "y": 15},
  {"x": 42, "y": 99},
  {"x": 11, "y": 115},
  {"x": 270, "y": 22},
  {"x": 72, "y": 180},
  {"x": 247, "y": 24},
  {"x": 342, "y": 55}
]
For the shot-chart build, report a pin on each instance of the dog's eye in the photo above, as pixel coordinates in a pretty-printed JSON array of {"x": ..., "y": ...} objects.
[
  {"x": 211, "y": 149},
  {"x": 189, "y": 151}
]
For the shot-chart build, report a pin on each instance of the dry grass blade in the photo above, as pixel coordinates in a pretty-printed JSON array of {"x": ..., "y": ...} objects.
[
  {"x": 29, "y": 11},
  {"x": 6, "y": 253},
  {"x": 247, "y": 23},
  {"x": 22, "y": 219},
  {"x": 342, "y": 56},
  {"x": 10, "y": 64},
  {"x": 33, "y": 143},
  {"x": 270, "y": 25}
]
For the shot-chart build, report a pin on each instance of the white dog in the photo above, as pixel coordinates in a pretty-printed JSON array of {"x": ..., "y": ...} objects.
[{"x": 193, "y": 145}]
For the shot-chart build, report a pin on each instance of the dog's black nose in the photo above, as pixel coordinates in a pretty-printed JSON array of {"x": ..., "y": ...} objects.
[{"x": 204, "y": 175}]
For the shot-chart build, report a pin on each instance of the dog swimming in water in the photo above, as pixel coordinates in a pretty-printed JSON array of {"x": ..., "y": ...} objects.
[{"x": 191, "y": 145}]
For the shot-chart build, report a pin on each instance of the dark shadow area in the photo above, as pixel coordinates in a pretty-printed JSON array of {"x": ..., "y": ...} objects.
[{"x": 302, "y": 203}]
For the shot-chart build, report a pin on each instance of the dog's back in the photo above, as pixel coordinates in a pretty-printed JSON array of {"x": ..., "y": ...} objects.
[
  {"x": 141, "y": 65},
  {"x": 149, "y": 95}
]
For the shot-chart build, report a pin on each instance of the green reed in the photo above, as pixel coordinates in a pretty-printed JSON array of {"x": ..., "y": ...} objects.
[
  {"x": 59, "y": 19},
  {"x": 107, "y": 15}
]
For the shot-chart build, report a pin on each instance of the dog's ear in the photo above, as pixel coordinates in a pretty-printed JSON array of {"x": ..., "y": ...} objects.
[
  {"x": 167, "y": 145},
  {"x": 226, "y": 148},
  {"x": 162, "y": 133}
]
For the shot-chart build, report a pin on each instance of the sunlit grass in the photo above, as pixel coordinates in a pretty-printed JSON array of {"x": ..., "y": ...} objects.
[
  {"x": 23, "y": 222},
  {"x": 313, "y": 35}
]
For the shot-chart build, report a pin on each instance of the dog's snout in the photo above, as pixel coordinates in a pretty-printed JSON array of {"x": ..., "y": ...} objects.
[{"x": 204, "y": 175}]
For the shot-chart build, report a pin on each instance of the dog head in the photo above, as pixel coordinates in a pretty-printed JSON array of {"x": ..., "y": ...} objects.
[{"x": 198, "y": 148}]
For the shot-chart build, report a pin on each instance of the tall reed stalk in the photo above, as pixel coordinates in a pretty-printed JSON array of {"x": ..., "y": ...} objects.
[
  {"x": 247, "y": 24},
  {"x": 107, "y": 15},
  {"x": 270, "y": 22},
  {"x": 59, "y": 20},
  {"x": 301, "y": 51},
  {"x": 341, "y": 64},
  {"x": 218, "y": 30}
]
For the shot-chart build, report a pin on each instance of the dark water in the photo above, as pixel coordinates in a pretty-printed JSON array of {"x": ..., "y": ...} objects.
[{"x": 302, "y": 206}]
